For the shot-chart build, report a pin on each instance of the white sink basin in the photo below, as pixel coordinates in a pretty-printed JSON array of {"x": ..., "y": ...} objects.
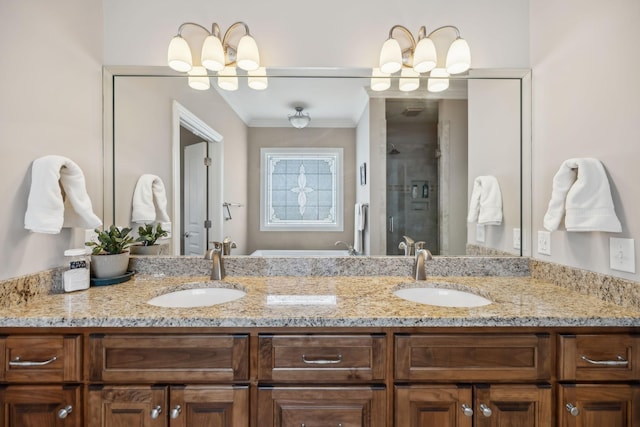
[
  {"x": 198, "y": 297},
  {"x": 442, "y": 297}
]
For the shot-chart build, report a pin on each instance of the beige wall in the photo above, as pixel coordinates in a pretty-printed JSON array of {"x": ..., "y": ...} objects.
[
  {"x": 585, "y": 63},
  {"x": 308, "y": 137},
  {"x": 51, "y": 103},
  {"x": 143, "y": 131}
]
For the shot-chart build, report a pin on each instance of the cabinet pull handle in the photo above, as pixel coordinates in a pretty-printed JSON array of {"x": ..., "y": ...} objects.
[
  {"x": 573, "y": 410},
  {"x": 620, "y": 362},
  {"x": 18, "y": 362},
  {"x": 466, "y": 410},
  {"x": 62, "y": 413},
  {"x": 155, "y": 412},
  {"x": 338, "y": 359},
  {"x": 486, "y": 411},
  {"x": 175, "y": 412}
]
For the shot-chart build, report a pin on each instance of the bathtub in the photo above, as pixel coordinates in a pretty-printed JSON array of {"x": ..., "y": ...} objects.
[{"x": 300, "y": 253}]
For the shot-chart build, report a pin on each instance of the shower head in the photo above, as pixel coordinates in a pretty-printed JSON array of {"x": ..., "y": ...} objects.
[{"x": 393, "y": 151}]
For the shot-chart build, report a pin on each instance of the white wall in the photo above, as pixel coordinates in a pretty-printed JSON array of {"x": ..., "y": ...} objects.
[
  {"x": 363, "y": 192},
  {"x": 50, "y": 104},
  {"x": 585, "y": 62},
  {"x": 329, "y": 33}
]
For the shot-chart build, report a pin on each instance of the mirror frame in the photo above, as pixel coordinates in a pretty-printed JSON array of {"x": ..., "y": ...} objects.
[{"x": 110, "y": 73}]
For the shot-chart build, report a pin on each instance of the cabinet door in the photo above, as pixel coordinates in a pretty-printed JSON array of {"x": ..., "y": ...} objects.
[
  {"x": 599, "y": 405},
  {"x": 433, "y": 406},
  {"x": 127, "y": 406},
  {"x": 41, "y": 406},
  {"x": 210, "y": 406},
  {"x": 513, "y": 405},
  {"x": 321, "y": 407}
]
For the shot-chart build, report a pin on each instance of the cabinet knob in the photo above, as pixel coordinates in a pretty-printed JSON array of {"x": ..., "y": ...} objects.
[
  {"x": 573, "y": 410},
  {"x": 175, "y": 412},
  {"x": 486, "y": 411},
  {"x": 62, "y": 413},
  {"x": 466, "y": 410},
  {"x": 155, "y": 412}
]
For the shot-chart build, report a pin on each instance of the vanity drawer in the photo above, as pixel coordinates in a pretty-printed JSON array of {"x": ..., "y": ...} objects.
[
  {"x": 473, "y": 357},
  {"x": 169, "y": 358},
  {"x": 321, "y": 358},
  {"x": 598, "y": 357},
  {"x": 41, "y": 358}
]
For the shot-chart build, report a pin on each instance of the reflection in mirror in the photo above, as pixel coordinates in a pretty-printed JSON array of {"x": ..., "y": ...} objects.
[{"x": 411, "y": 159}]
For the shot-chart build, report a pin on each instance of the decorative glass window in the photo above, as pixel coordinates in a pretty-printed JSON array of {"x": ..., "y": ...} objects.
[{"x": 301, "y": 189}]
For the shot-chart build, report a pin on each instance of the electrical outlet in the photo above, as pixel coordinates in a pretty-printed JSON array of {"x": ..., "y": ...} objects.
[
  {"x": 479, "y": 233},
  {"x": 90, "y": 235},
  {"x": 544, "y": 242},
  {"x": 516, "y": 238},
  {"x": 622, "y": 255}
]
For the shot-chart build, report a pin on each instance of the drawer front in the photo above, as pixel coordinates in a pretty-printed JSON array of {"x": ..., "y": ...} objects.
[
  {"x": 41, "y": 358},
  {"x": 598, "y": 357},
  {"x": 477, "y": 357},
  {"x": 322, "y": 358},
  {"x": 169, "y": 358}
]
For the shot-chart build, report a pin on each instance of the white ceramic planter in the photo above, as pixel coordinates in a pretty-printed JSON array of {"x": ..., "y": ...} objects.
[{"x": 107, "y": 266}]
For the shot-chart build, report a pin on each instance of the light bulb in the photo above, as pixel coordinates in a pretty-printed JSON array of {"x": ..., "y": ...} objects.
[
  {"x": 248, "y": 56},
  {"x": 425, "y": 57},
  {"x": 390, "y": 56},
  {"x": 212, "y": 56},
  {"x": 458, "y": 57},
  {"x": 179, "y": 55}
]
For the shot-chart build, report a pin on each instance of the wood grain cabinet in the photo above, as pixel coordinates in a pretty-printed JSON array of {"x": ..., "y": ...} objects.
[
  {"x": 599, "y": 376},
  {"x": 41, "y": 376}
]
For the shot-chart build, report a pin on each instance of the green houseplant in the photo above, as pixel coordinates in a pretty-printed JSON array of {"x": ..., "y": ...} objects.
[
  {"x": 110, "y": 254},
  {"x": 148, "y": 235}
]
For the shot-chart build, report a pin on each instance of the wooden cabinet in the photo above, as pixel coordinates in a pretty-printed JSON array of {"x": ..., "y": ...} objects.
[
  {"x": 599, "y": 405},
  {"x": 41, "y": 406},
  {"x": 173, "y": 406},
  {"x": 322, "y": 406}
]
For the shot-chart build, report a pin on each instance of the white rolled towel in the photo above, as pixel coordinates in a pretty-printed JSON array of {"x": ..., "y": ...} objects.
[
  {"x": 149, "y": 197},
  {"x": 47, "y": 210},
  {"x": 581, "y": 194},
  {"x": 485, "y": 205}
]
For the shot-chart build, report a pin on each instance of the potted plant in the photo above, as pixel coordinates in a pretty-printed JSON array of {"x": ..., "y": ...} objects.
[
  {"x": 148, "y": 235},
  {"x": 110, "y": 254}
]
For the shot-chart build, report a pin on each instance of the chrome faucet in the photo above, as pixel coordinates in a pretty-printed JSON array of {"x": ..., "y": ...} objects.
[
  {"x": 408, "y": 246},
  {"x": 215, "y": 255},
  {"x": 419, "y": 267},
  {"x": 349, "y": 247}
]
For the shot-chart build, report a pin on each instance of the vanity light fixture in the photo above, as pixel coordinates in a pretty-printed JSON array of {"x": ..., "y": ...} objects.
[
  {"x": 299, "y": 120},
  {"x": 420, "y": 57},
  {"x": 218, "y": 55}
]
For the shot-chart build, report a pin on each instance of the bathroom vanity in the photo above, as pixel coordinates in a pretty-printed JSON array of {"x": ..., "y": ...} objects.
[{"x": 539, "y": 355}]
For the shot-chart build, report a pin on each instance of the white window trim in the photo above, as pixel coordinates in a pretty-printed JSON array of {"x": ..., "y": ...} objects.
[{"x": 267, "y": 155}]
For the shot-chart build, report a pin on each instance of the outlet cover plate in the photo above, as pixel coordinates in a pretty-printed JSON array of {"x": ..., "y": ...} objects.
[
  {"x": 622, "y": 254},
  {"x": 516, "y": 238},
  {"x": 479, "y": 233},
  {"x": 544, "y": 242}
]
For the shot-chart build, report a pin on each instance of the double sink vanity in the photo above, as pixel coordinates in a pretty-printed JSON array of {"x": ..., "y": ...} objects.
[{"x": 321, "y": 342}]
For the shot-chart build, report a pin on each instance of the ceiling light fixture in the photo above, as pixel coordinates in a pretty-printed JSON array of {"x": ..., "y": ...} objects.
[
  {"x": 299, "y": 120},
  {"x": 219, "y": 55},
  {"x": 419, "y": 57}
]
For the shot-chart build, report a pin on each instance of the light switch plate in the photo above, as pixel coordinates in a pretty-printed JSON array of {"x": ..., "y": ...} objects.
[
  {"x": 479, "y": 233},
  {"x": 516, "y": 238},
  {"x": 622, "y": 254},
  {"x": 544, "y": 242}
]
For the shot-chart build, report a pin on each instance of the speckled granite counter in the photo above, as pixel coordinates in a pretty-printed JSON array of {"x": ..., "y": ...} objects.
[{"x": 359, "y": 302}]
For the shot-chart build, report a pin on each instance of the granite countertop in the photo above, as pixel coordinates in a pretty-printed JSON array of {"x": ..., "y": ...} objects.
[{"x": 359, "y": 302}]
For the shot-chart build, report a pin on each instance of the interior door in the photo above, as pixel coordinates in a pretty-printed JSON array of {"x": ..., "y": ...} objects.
[{"x": 195, "y": 197}]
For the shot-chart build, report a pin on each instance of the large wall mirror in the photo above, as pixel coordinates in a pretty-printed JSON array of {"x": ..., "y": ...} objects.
[{"x": 415, "y": 164}]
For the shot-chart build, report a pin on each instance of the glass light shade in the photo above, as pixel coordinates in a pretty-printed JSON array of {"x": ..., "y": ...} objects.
[
  {"x": 299, "y": 120},
  {"x": 425, "y": 57},
  {"x": 248, "y": 56},
  {"x": 198, "y": 78},
  {"x": 458, "y": 57},
  {"x": 228, "y": 79},
  {"x": 390, "y": 56},
  {"x": 212, "y": 56},
  {"x": 438, "y": 80},
  {"x": 409, "y": 80},
  {"x": 257, "y": 79},
  {"x": 379, "y": 81},
  {"x": 179, "y": 55}
]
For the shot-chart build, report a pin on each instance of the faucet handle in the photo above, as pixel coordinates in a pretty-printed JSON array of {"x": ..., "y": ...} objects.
[{"x": 409, "y": 240}]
